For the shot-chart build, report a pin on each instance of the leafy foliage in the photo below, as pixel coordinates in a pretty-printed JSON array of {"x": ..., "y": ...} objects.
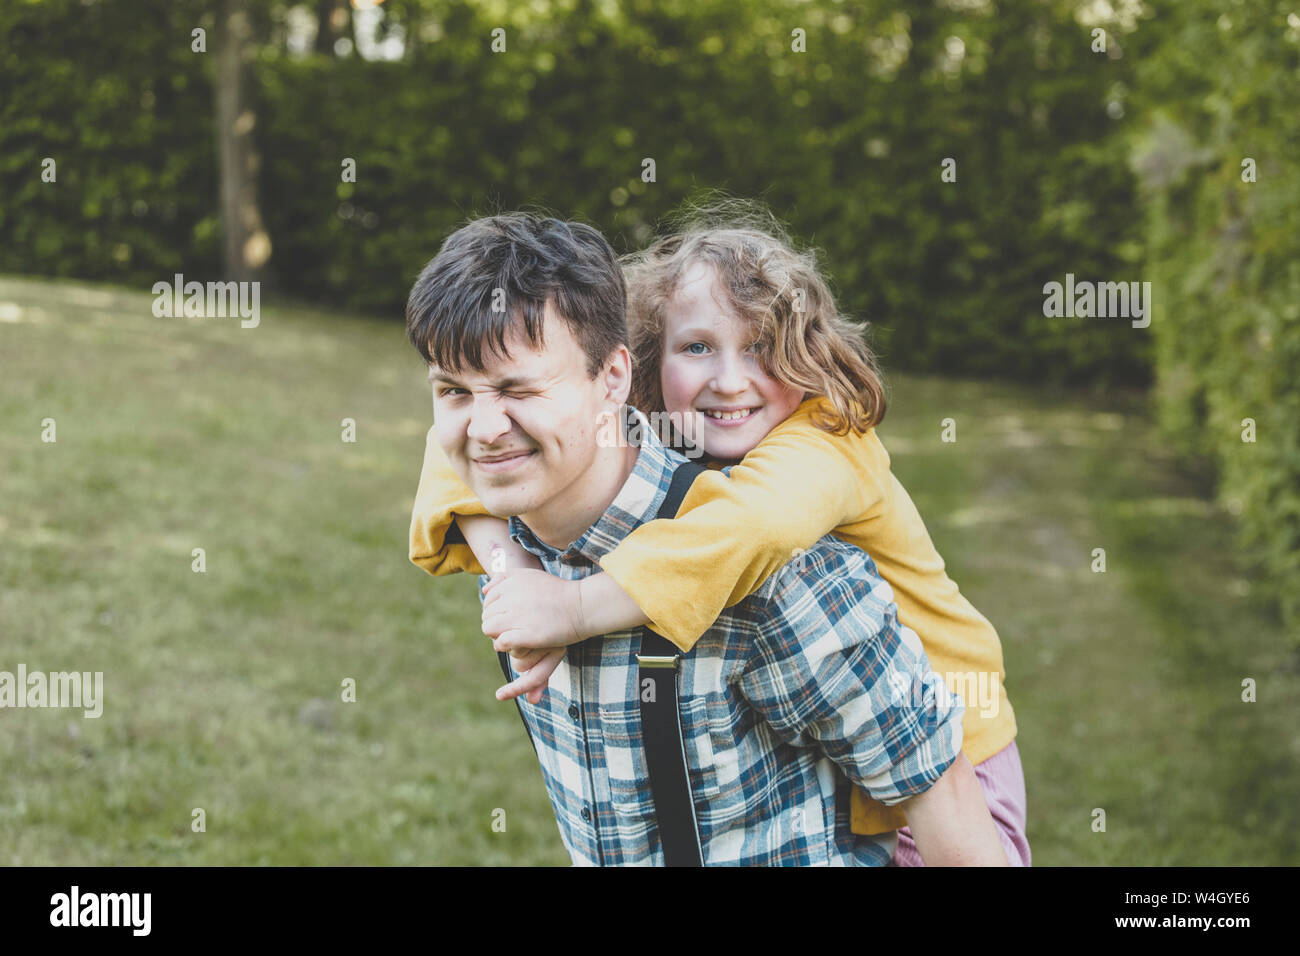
[
  {"x": 124, "y": 108},
  {"x": 845, "y": 141},
  {"x": 1225, "y": 256}
]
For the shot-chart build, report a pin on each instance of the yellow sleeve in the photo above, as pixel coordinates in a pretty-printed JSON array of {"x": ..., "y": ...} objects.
[
  {"x": 731, "y": 534},
  {"x": 441, "y": 496}
]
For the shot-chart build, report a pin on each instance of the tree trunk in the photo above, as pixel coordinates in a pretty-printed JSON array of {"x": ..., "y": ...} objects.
[
  {"x": 247, "y": 247},
  {"x": 326, "y": 32}
]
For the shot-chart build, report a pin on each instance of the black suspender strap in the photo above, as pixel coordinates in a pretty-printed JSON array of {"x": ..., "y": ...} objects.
[{"x": 661, "y": 727}]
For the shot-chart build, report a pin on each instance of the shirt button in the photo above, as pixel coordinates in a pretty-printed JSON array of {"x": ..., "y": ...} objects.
[
  {"x": 573, "y": 711},
  {"x": 586, "y": 813}
]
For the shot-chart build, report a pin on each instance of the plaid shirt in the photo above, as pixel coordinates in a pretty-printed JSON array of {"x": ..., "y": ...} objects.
[{"x": 808, "y": 685}]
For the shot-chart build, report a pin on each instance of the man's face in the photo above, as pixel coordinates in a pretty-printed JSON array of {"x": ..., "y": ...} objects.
[{"x": 522, "y": 433}]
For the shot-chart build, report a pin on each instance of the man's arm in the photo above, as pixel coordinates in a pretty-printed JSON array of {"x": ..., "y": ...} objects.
[
  {"x": 951, "y": 823},
  {"x": 834, "y": 668}
]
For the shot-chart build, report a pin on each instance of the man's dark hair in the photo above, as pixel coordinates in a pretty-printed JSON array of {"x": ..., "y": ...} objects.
[{"x": 450, "y": 315}]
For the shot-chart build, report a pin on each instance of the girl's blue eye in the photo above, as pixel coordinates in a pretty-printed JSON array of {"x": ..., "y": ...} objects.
[{"x": 692, "y": 345}]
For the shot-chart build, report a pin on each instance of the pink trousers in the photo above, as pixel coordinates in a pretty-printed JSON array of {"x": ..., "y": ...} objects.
[{"x": 1003, "y": 780}]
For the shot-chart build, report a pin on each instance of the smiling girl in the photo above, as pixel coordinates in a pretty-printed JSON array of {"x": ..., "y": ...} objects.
[{"x": 733, "y": 326}]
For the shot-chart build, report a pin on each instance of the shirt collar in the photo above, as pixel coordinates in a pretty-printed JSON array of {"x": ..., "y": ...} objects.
[{"x": 636, "y": 502}]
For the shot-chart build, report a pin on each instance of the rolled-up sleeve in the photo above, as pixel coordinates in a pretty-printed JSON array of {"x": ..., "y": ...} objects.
[
  {"x": 435, "y": 542},
  {"x": 834, "y": 668}
]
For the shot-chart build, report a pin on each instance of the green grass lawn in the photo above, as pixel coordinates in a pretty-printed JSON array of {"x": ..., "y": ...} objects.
[{"x": 223, "y": 689}]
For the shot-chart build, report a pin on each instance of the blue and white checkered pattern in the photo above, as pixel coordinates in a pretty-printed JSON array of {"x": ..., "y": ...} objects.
[{"x": 807, "y": 685}]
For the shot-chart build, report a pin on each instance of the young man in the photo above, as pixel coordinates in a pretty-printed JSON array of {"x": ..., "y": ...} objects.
[{"x": 785, "y": 702}]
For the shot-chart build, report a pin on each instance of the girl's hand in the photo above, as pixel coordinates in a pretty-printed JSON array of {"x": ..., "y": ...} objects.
[
  {"x": 535, "y": 668},
  {"x": 523, "y": 608}
]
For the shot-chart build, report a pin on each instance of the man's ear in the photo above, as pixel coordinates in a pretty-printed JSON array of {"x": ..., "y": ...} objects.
[{"x": 616, "y": 375}]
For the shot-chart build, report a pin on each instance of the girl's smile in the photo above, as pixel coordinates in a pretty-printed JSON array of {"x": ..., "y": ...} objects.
[{"x": 711, "y": 365}]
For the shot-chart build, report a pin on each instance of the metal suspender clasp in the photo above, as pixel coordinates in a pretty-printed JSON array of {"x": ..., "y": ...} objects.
[{"x": 666, "y": 663}]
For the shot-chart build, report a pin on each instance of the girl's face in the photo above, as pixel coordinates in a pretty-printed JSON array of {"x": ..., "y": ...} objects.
[{"x": 710, "y": 366}]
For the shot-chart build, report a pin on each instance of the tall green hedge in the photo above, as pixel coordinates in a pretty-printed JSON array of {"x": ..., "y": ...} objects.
[
  {"x": 112, "y": 93},
  {"x": 844, "y": 141},
  {"x": 1225, "y": 257}
]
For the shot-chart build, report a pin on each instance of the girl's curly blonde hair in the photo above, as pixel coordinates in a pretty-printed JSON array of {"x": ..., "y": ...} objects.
[{"x": 804, "y": 341}]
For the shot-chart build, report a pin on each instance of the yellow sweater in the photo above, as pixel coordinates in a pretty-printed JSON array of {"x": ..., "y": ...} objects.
[{"x": 731, "y": 534}]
